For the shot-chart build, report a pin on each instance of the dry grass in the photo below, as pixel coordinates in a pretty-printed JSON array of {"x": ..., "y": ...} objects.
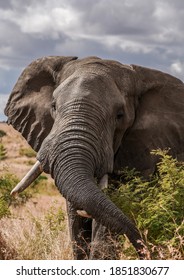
[
  {"x": 37, "y": 230},
  {"x": 33, "y": 232}
]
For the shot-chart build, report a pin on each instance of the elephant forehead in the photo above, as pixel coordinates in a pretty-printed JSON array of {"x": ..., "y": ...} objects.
[
  {"x": 85, "y": 84},
  {"x": 96, "y": 75}
]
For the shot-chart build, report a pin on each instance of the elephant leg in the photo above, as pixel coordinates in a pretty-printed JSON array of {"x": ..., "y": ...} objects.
[
  {"x": 80, "y": 229},
  {"x": 104, "y": 244}
]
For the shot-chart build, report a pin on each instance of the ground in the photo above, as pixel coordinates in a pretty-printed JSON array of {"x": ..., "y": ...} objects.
[
  {"x": 18, "y": 164},
  {"x": 40, "y": 204}
]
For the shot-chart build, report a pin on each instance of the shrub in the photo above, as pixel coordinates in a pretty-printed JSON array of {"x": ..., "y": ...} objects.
[
  {"x": 2, "y": 152},
  {"x": 54, "y": 219},
  {"x": 156, "y": 205},
  {"x": 7, "y": 183},
  {"x": 2, "y": 133},
  {"x": 28, "y": 152}
]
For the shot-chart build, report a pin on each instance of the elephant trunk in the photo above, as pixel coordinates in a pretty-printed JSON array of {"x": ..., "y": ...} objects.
[
  {"x": 79, "y": 187},
  {"x": 74, "y": 155}
]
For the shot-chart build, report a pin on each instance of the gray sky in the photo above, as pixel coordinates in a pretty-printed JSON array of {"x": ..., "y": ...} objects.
[{"x": 144, "y": 32}]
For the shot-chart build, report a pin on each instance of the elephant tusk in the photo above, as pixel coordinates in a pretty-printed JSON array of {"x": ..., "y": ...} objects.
[
  {"x": 84, "y": 214},
  {"x": 103, "y": 184},
  {"x": 35, "y": 171}
]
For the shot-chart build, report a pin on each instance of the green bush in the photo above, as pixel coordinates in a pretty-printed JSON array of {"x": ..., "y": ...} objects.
[
  {"x": 7, "y": 183},
  {"x": 2, "y": 133},
  {"x": 2, "y": 152},
  {"x": 156, "y": 205},
  {"x": 28, "y": 152},
  {"x": 54, "y": 219},
  {"x": 4, "y": 208}
]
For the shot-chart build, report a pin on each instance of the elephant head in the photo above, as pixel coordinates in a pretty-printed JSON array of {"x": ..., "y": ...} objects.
[{"x": 90, "y": 117}]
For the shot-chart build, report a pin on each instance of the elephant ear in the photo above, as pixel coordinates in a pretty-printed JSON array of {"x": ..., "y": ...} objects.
[
  {"x": 159, "y": 121},
  {"x": 29, "y": 105}
]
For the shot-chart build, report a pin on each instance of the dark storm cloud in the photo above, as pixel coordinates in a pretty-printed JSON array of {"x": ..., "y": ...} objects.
[
  {"x": 132, "y": 31},
  {"x": 5, "y": 4}
]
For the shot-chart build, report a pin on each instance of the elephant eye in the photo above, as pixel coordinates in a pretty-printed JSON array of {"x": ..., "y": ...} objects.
[
  {"x": 53, "y": 105},
  {"x": 120, "y": 115},
  {"x": 53, "y": 109}
]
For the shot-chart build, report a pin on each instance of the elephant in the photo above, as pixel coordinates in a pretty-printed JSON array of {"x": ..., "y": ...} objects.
[{"x": 87, "y": 119}]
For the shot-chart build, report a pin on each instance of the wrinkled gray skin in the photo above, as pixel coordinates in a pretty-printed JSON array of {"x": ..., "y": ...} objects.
[{"x": 89, "y": 117}]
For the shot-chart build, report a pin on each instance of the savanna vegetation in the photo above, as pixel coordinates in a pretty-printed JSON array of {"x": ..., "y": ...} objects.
[
  {"x": 31, "y": 229},
  {"x": 156, "y": 205}
]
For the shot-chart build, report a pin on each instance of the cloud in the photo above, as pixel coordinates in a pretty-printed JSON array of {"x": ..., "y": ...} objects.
[
  {"x": 131, "y": 25},
  {"x": 143, "y": 32},
  {"x": 4, "y": 99},
  {"x": 177, "y": 68}
]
